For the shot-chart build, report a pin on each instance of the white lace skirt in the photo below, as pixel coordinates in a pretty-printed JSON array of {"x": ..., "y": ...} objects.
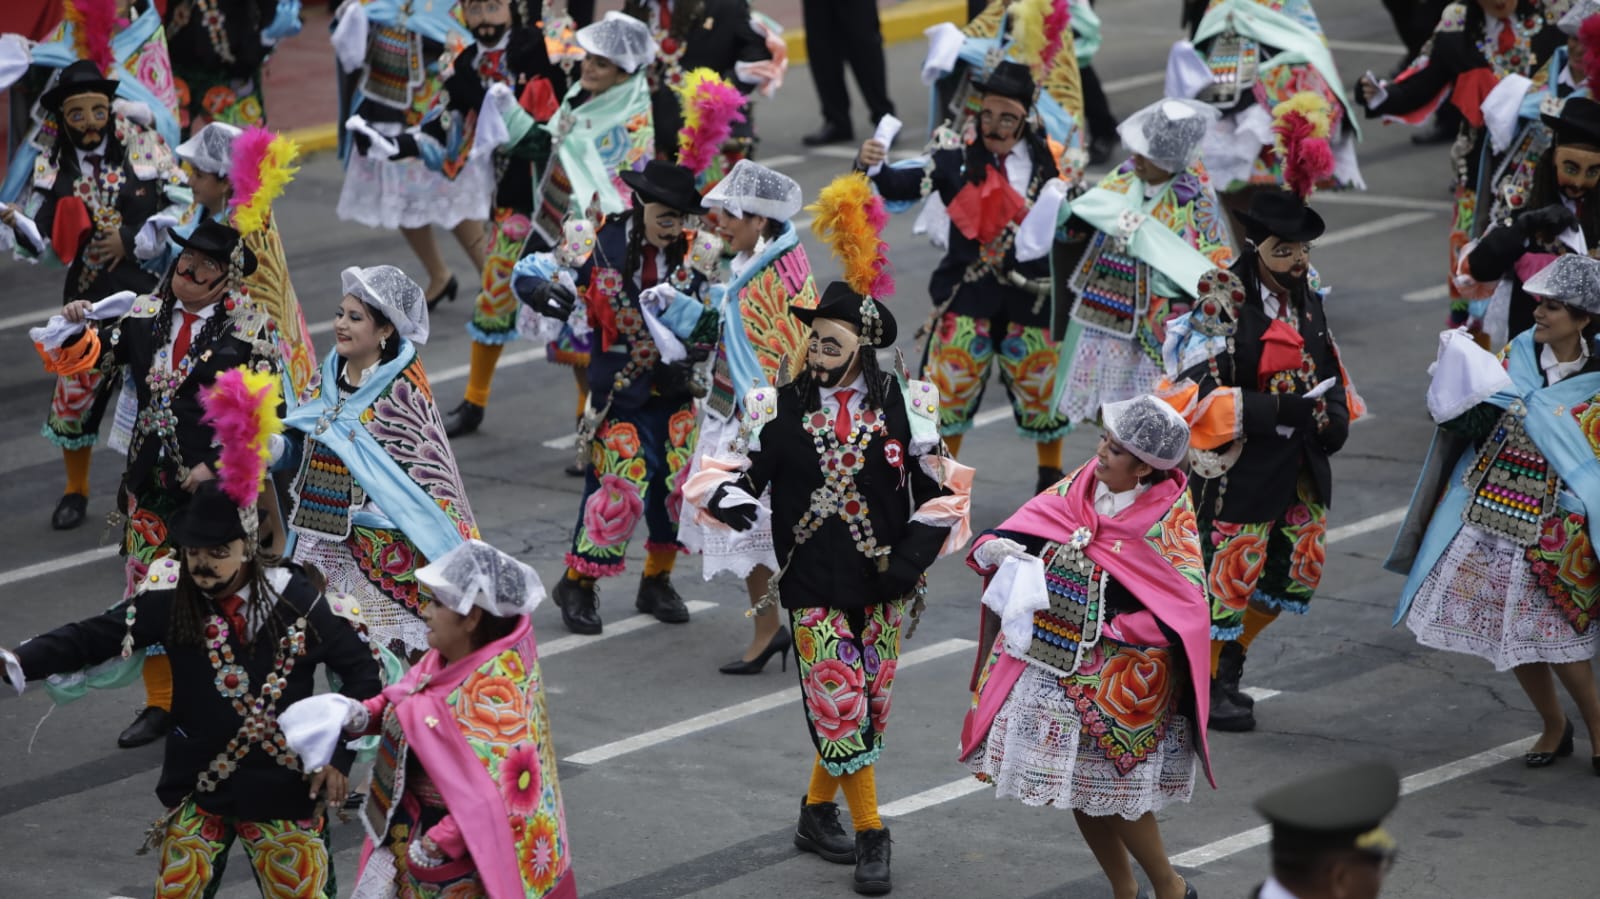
[
  {"x": 387, "y": 621},
  {"x": 1481, "y": 599},
  {"x": 721, "y": 549},
  {"x": 1037, "y": 752},
  {"x": 405, "y": 193},
  {"x": 1104, "y": 369}
]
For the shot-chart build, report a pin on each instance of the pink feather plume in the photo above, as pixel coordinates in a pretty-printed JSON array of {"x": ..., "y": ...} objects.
[
  {"x": 244, "y": 172},
  {"x": 1307, "y": 160},
  {"x": 1057, "y": 31},
  {"x": 883, "y": 279},
  {"x": 96, "y": 23},
  {"x": 719, "y": 105},
  {"x": 243, "y": 417},
  {"x": 1589, "y": 40}
]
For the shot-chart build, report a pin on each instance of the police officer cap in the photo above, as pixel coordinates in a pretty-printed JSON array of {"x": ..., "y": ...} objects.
[{"x": 1340, "y": 809}]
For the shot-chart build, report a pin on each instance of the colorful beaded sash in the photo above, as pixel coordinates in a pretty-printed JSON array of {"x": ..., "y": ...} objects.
[
  {"x": 394, "y": 67},
  {"x": 327, "y": 492},
  {"x": 1513, "y": 179},
  {"x": 1513, "y": 488},
  {"x": 1233, "y": 60},
  {"x": 388, "y": 777},
  {"x": 1112, "y": 287},
  {"x": 1071, "y": 625}
]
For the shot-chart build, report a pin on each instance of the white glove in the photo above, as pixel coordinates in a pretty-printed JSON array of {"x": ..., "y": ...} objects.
[
  {"x": 152, "y": 237},
  {"x": 504, "y": 100},
  {"x": 134, "y": 111},
  {"x": 995, "y": 551}
]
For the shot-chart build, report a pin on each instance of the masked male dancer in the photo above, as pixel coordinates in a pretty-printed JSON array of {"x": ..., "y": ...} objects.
[
  {"x": 175, "y": 343},
  {"x": 90, "y": 194},
  {"x": 987, "y": 303}
]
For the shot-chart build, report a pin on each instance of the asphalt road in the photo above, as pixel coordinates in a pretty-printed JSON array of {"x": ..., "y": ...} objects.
[{"x": 680, "y": 781}]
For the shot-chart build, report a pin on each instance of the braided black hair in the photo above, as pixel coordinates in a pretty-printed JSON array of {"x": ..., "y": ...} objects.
[{"x": 676, "y": 251}]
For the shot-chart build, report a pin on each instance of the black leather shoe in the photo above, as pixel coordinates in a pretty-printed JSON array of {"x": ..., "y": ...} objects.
[
  {"x": 778, "y": 644},
  {"x": 1435, "y": 132},
  {"x": 819, "y": 831},
  {"x": 574, "y": 471},
  {"x": 1189, "y": 892},
  {"x": 448, "y": 295},
  {"x": 872, "y": 862},
  {"x": 1048, "y": 477},
  {"x": 151, "y": 725},
  {"x": 1545, "y": 759},
  {"x": 577, "y": 601},
  {"x": 1226, "y": 715},
  {"x": 70, "y": 511},
  {"x": 1230, "y": 667},
  {"x": 463, "y": 419},
  {"x": 829, "y": 133},
  {"x": 656, "y": 597}
]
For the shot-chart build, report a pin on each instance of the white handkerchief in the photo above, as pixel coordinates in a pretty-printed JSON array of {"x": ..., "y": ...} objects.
[
  {"x": 350, "y": 37},
  {"x": 888, "y": 128},
  {"x": 382, "y": 147},
  {"x": 491, "y": 132},
  {"x": 25, "y": 226},
  {"x": 1038, "y": 231},
  {"x": 152, "y": 236},
  {"x": 1016, "y": 591},
  {"x": 944, "y": 48},
  {"x": 58, "y": 329},
  {"x": 650, "y": 303},
  {"x": 314, "y": 727}
]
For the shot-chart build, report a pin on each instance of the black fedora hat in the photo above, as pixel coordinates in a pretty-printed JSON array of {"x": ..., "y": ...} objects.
[
  {"x": 217, "y": 240},
  {"x": 1281, "y": 214},
  {"x": 82, "y": 77},
  {"x": 210, "y": 518},
  {"x": 1008, "y": 79},
  {"x": 840, "y": 303},
  {"x": 665, "y": 182},
  {"x": 1578, "y": 123}
]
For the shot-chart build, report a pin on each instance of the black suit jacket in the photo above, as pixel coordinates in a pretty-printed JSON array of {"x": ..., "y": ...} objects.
[
  {"x": 827, "y": 571},
  {"x": 716, "y": 34},
  {"x": 191, "y": 45},
  {"x": 205, "y": 720},
  {"x": 988, "y": 296},
  {"x": 1261, "y": 484},
  {"x": 137, "y": 201}
]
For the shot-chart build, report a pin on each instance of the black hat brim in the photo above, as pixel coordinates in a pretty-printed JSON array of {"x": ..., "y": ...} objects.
[
  {"x": 59, "y": 94},
  {"x": 1569, "y": 132},
  {"x": 1307, "y": 227},
  {"x": 656, "y": 193},
  {"x": 1007, "y": 89},
  {"x": 808, "y": 315},
  {"x": 246, "y": 255},
  {"x": 187, "y": 530}
]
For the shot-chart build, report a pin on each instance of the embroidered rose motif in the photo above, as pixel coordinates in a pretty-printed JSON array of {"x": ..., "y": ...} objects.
[
  {"x": 880, "y": 691},
  {"x": 834, "y": 696},
  {"x": 612, "y": 511},
  {"x": 1134, "y": 686}
]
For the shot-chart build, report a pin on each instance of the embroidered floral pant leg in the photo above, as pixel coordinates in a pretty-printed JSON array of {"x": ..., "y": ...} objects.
[
  {"x": 76, "y": 406},
  {"x": 1276, "y": 564},
  {"x": 960, "y": 353},
  {"x": 847, "y": 662},
  {"x": 290, "y": 858},
  {"x": 1028, "y": 360},
  {"x": 626, "y": 457},
  {"x": 665, "y": 503},
  {"x": 208, "y": 97},
  {"x": 494, "y": 318}
]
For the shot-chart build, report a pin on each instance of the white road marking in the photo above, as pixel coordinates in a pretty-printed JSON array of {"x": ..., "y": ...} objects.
[
  {"x": 1361, "y": 198},
  {"x": 1427, "y": 294},
  {"x": 1366, "y": 47},
  {"x": 56, "y": 566},
  {"x": 779, "y": 162},
  {"x": 916, "y": 802},
  {"x": 618, "y": 748},
  {"x": 1260, "y": 693},
  {"x": 984, "y": 419},
  {"x": 1372, "y": 228},
  {"x": 1259, "y": 836},
  {"x": 835, "y": 152},
  {"x": 614, "y": 629},
  {"x": 456, "y": 373},
  {"x": 28, "y": 319},
  {"x": 564, "y": 442},
  {"x": 1118, "y": 85},
  {"x": 1366, "y": 525}
]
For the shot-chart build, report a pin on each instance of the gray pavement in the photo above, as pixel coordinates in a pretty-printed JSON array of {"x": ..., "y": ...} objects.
[{"x": 709, "y": 813}]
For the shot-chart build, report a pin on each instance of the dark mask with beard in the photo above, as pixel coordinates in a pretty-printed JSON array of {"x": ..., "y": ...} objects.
[
  {"x": 489, "y": 35},
  {"x": 833, "y": 377}
]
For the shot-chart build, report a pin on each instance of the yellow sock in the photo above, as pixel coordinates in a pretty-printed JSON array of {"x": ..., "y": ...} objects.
[
  {"x": 659, "y": 561},
  {"x": 953, "y": 442},
  {"x": 77, "y": 462},
  {"x": 1255, "y": 621},
  {"x": 861, "y": 791},
  {"x": 574, "y": 574},
  {"x": 158, "y": 682},
  {"x": 1049, "y": 453},
  {"x": 824, "y": 786},
  {"x": 484, "y": 358},
  {"x": 1216, "y": 655}
]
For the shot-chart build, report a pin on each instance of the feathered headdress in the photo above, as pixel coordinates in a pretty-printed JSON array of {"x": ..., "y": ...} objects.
[
  {"x": 241, "y": 407},
  {"x": 1589, "y": 39},
  {"x": 710, "y": 107},
  {"x": 1302, "y": 124},
  {"x": 94, "y": 23},
  {"x": 1039, "y": 30},
  {"x": 262, "y": 167},
  {"x": 850, "y": 218}
]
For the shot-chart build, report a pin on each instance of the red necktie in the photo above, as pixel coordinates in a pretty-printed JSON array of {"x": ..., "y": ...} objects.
[
  {"x": 666, "y": 14},
  {"x": 647, "y": 273},
  {"x": 1508, "y": 36},
  {"x": 94, "y": 160},
  {"x": 841, "y": 422},
  {"x": 230, "y": 607},
  {"x": 180, "y": 345}
]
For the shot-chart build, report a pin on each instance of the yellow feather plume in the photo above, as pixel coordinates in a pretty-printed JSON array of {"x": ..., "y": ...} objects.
[
  {"x": 1310, "y": 104},
  {"x": 277, "y": 170},
  {"x": 1027, "y": 31},
  {"x": 849, "y": 217},
  {"x": 687, "y": 90}
]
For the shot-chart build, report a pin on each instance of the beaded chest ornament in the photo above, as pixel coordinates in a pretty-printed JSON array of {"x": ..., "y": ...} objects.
[{"x": 1513, "y": 487}]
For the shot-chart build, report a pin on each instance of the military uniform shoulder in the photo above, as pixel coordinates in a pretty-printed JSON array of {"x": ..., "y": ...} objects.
[{"x": 1454, "y": 18}]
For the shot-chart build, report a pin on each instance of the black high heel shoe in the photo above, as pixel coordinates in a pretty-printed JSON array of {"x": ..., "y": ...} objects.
[
  {"x": 778, "y": 645},
  {"x": 1544, "y": 759},
  {"x": 446, "y": 295}
]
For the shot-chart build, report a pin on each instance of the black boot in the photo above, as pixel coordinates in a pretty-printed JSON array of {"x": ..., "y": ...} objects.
[
  {"x": 819, "y": 831},
  {"x": 656, "y": 597},
  {"x": 1048, "y": 477},
  {"x": 1226, "y": 715},
  {"x": 70, "y": 511},
  {"x": 1230, "y": 667},
  {"x": 872, "y": 862},
  {"x": 151, "y": 725},
  {"x": 577, "y": 601},
  {"x": 463, "y": 419},
  {"x": 829, "y": 133}
]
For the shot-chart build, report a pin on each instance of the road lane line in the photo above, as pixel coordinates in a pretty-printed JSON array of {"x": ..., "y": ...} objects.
[
  {"x": 613, "y": 629},
  {"x": 28, "y": 319},
  {"x": 916, "y": 802},
  {"x": 784, "y": 161},
  {"x": 1372, "y": 228},
  {"x": 1366, "y": 525},
  {"x": 1427, "y": 294},
  {"x": 1366, "y": 47},
  {"x": 1366, "y": 199},
  {"x": 1260, "y": 693},
  {"x": 457, "y": 372},
  {"x": 56, "y": 566},
  {"x": 608, "y": 751},
  {"x": 1433, "y": 777},
  {"x": 1118, "y": 85}
]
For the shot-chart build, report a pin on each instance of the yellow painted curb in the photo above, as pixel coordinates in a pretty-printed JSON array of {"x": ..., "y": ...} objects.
[{"x": 901, "y": 22}]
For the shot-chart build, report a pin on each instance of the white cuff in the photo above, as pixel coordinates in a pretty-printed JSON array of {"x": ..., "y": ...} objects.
[{"x": 350, "y": 37}]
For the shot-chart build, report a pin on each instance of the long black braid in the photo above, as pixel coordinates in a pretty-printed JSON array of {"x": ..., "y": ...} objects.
[{"x": 676, "y": 251}]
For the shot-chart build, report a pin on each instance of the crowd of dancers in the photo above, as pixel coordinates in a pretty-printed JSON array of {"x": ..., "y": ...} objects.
[{"x": 282, "y": 511}]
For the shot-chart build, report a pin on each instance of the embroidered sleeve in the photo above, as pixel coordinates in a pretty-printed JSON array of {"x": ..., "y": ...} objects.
[
  {"x": 760, "y": 408},
  {"x": 922, "y": 411}
]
